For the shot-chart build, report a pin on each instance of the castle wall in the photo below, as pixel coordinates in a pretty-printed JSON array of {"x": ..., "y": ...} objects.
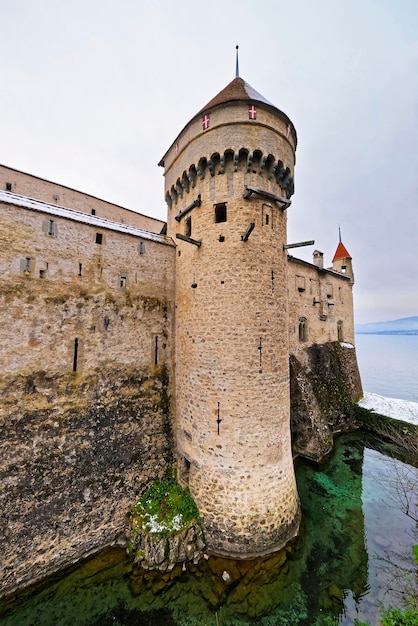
[
  {"x": 320, "y": 306},
  {"x": 324, "y": 376},
  {"x": 33, "y": 187},
  {"x": 86, "y": 376}
]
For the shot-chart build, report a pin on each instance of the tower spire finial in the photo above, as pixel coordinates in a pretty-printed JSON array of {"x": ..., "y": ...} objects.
[
  {"x": 339, "y": 232},
  {"x": 236, "y": 63}
]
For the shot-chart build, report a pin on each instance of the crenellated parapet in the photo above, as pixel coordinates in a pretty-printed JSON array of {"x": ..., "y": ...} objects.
[{"x": 270, "y": 168}]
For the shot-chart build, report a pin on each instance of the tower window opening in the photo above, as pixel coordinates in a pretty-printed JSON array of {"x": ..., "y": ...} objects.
[
  {"x": 303, "y": 329},
  {"x": 184, "y": 474},
  {"x": 344, "y": 268},
  {"x": 93, "y": 211},
  {"x": 42, "y": 273},
  {"x": 99, "y": 238},
  {"x": 51, "y": 228},
  {"x": 80, "y": 268},
  {"x": 220, "y": 212},
  {"x": 123, "y": 281},
  {"x": 188, "y": 227},
  {"x": 340, "y": 333},
  {"x": 141, "y": 247},
  {"x": 8, "y": 186},
  {"x": 267, "y": 219}
]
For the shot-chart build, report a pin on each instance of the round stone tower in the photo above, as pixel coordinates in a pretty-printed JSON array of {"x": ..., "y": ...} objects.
[{"x": 228, "y": 183}]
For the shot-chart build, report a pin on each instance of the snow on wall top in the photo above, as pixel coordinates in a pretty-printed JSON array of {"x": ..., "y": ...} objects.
[{"x": 78, "y": 216}]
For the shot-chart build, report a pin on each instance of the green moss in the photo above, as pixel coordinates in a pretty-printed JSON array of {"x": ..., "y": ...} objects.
[
  {"x": 164, "y": 509},
  {"x": 397, "y": 617}
]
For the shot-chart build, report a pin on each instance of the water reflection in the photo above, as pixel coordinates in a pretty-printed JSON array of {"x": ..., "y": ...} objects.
[{"x": 333, "y": 572}]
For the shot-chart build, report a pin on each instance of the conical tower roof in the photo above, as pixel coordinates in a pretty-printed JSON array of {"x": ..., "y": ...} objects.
[
  {"x": 237, "y": 89},
  {"x": 341, "y": 253}
]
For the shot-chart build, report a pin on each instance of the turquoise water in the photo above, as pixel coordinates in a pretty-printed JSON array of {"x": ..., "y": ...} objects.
[{"x": 355, "y": 544}]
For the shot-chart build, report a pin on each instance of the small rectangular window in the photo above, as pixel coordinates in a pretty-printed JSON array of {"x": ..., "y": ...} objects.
[
  {"x": 56, "y": 197},
  {"x": 93, "y": 211},
  {"x": 99, "y": 238},
  {"x": 8, "y": 186},
  {"x": 220, "y": 212},
  {"x": 303, "y": 329},
  {"x": 25, "y": 265},
  {"x": 300, "y": 283},
  {"x": 188, "y": 227},
  {"x": 123, "y": 281},
  {"x": 141, "y": 247},
  {"x": 51, "y": 228}
]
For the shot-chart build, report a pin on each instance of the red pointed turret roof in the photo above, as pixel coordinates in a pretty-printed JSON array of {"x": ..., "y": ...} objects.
[
  {"x": 237, "y": 89},
  {"x": 341, "y": 253}
]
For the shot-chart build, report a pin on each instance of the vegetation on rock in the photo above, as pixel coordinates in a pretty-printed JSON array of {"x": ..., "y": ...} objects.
[{"x": 164, "y": 509}]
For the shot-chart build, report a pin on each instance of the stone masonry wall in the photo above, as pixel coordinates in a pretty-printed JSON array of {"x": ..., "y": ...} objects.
[
  {"x": 75, "y": 453},
  {"x": 324, "y": 300},
  {"x": 85, "y": 387}
]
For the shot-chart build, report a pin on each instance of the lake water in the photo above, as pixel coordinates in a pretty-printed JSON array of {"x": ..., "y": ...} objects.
[
  {"x": 354, "y": 550},
  {"x": 389, "y": 365}
]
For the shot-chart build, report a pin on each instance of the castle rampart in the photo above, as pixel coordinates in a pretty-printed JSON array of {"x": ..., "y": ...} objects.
[
  {"x": 86, "y": 369},
  {"x": 23, "y": 184}
]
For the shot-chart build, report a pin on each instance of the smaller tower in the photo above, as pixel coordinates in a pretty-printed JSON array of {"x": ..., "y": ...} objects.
[{"x": 342, "y": 261}]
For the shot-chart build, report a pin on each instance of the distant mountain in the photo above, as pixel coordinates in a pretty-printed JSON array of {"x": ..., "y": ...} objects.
[{"x": 403, "y": 326}]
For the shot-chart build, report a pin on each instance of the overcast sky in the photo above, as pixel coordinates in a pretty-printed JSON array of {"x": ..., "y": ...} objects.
[{"x": 93, "y": 92}]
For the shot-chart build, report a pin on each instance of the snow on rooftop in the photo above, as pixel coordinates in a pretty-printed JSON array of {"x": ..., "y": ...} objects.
[
  {"x": 78, "y": 216},
  {"x": 391, "y": 407}
]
